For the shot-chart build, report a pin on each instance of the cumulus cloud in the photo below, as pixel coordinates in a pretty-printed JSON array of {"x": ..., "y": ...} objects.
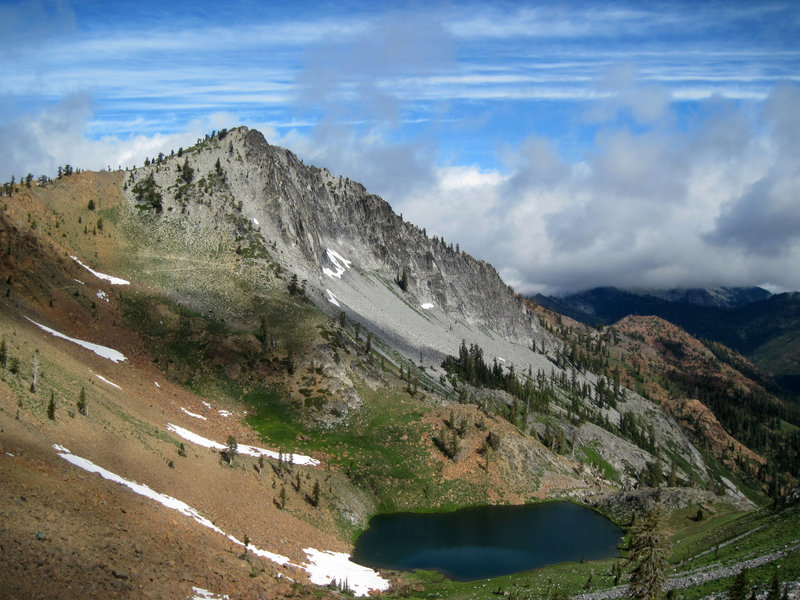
[
  {"x": 39, "y": 142},
  {"x": 764, "y": 220},
  {"x": 713, "y": 205}
]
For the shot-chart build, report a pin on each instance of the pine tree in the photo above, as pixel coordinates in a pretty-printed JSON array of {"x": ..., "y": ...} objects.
[
  {"x": 774, "y": 592},
  {"x": 648, "y": 557},
  {"x": 51, "y": 408},
  {"x": 282, "y": 496},
  {"x": 231, "y": 447},
  {"x": 739, "y": 587},
  {"x": 82, "y": 402},
  {"x": 34, "y": 373},
  {"x": 3, "y": 353},
  {"x": 315, "y": 494}
]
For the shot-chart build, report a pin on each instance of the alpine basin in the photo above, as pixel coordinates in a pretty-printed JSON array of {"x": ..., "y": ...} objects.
[{"x": 487, "y": 541}]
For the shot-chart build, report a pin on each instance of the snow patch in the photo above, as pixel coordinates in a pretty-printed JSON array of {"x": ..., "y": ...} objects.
[
  {"x": 78, "y": 280},
  {"x": 110, "y": 278},
  {"x": 324, "y": 566},
  {"x": 102, "y": 295},
  {"x": 297, "y": 459},
  {"x": 158, "y": 386},
  {"x": 201, "y": 594},
  {"x": 111, "y": 383},
  {"x": 195, "y": 415},
  {"x": 255, "y": 221},
  {"x": 426, "y": 306},
  {"x": 332, "y": 299},
  {"x": 103, "y": 351},
  {"x": 341, "y": 264},
  {"x": 225, "y": 413},
  {"x": 163, "y": 499}
]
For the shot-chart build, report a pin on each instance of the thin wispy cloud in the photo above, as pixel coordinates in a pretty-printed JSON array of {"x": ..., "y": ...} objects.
[{"x": 570, "y": 144}]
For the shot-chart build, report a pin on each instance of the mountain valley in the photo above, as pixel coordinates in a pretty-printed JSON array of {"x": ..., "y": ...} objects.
[{"x": 219, "y": 366}]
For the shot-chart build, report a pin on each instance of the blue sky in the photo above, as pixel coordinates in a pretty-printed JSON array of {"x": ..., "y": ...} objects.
[{"x": 571, "y": 144}]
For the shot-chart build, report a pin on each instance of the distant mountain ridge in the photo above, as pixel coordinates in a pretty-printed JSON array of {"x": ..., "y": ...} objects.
[
  {"x": 761, "y": 326},
  {"x": 721, "y": 297}
]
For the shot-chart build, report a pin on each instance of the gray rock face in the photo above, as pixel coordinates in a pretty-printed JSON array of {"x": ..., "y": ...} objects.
[
  {"x": 314, "y": 211},
  {"x": 349, "y": 249}
]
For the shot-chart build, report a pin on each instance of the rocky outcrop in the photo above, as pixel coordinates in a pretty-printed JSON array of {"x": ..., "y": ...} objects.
[{"x": 271, "y": 201}]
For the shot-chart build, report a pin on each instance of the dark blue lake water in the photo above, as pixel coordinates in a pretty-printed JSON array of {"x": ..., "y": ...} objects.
[{"x": 487, "y": 541}]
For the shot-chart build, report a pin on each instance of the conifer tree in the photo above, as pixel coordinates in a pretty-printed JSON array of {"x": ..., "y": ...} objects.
[
  {"x": 82, "y": 402},
  {"x": 315, "y": 494},
  {"x": 51, "y": 408},
  {"x": 648, "y": 557},
  {"x": 738, "y": 589},
  {"x": 774, "y": 592},
  {"x": 231, "y": 447},
  {"x": 34, "y": 373}
]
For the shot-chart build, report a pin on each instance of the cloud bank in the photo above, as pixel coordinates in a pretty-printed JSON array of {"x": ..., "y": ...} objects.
[{"x": 571, "y": 146}]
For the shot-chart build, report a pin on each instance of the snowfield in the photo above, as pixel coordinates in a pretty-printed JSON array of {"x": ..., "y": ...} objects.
[
  {"x": 322, "y": 568},
  {"x": 103, "y": 351},
  {"x": 296, "y": 459},
  {"x": 426, "y": 306},
  {"x": 110, "y": 278},
  {"x": 340, "y": 262}
]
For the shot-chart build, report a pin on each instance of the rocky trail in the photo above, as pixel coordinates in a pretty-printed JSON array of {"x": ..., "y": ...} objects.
[{"x": 694, "y": 577}]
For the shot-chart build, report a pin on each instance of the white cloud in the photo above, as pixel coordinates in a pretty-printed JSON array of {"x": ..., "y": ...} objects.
[
  {"x": 56, "y": 136},
  {"x": 716, "y": 205}
]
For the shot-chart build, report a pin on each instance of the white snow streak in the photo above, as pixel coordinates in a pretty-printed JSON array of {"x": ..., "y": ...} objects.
[
  {"x": 103, "y": 351},
  {"x": 158, "y": 386},
  {"x": 110, "y": 278},
  {"x": 341, "y": 264},
  {"x": 324, "y": 566},
  {"x": 111, "y": 383},
  {"x": 78, "y": 280},
  {"x": 331, "y": 298},
  {"x": 163, "y": 499},
  {"x": 225, "y": 413},
  {"x": 206, "y": 404},
  {"x": 255, "y": 221},
  {"x": 195, "y": 415},
  {"x": 426, "y": 306},
  {"x": 297, "y": 459}
]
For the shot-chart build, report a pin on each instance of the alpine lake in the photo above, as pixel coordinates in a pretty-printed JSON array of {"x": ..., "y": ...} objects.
[{"x": 487, "y": 541}]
